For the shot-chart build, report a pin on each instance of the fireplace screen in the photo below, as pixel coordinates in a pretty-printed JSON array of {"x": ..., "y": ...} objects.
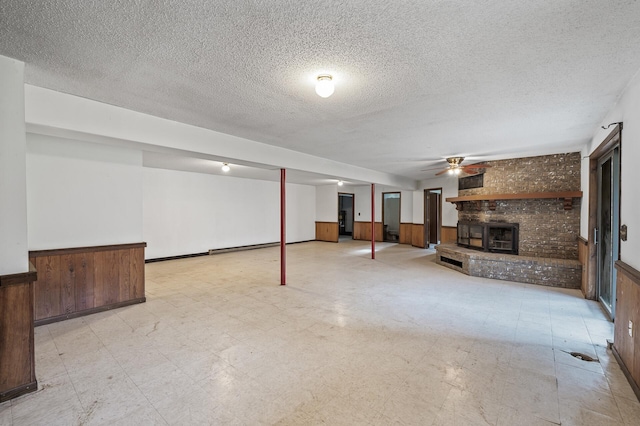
[{"x": 489, "y": 236}]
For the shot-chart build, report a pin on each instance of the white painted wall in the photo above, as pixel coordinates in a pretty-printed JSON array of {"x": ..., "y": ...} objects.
[
  {"x": 584, "y": 186},
  {"x": 186, "y": 213},
  {"x": 82, "y": 194},
  {"x": 449, "y": 187},
  {"x": 362, "y": 203},
  {"x": 327, "y": 203},
  {"x": 418, "y": 207},
  {"x": 626, "y": 110},
  {"x": 406, "y": 206},
  {"x": 14, "y": 257},
  {"x": 301, "y": 209}
]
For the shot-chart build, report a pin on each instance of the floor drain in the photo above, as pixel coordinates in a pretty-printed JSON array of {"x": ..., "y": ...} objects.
[{"x": 582, "y": 356}]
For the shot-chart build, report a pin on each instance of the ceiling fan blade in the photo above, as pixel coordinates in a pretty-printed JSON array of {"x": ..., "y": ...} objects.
[
  {"x": 476, "y": 166},
  {"x": 442, "y": 172}
]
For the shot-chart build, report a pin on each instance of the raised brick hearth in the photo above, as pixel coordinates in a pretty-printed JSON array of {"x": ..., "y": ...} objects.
[{"x": 551, "y": 272}]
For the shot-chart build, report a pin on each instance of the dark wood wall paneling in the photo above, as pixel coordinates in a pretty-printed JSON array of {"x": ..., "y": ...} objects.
[
  {"x": 17, "y": 357},
  {"x": 327, "y": 231},
  {"x": 81, "y": 281},
  {"x": 627, "y": 348}
]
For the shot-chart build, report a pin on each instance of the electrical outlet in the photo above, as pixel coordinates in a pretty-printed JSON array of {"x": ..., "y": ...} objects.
[{"x": 631, "y": 328}]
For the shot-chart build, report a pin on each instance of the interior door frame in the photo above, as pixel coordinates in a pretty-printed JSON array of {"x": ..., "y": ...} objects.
[
  {"x": 399, "y": 213},
  {"x": 353, "y": 212},
  {"x": 613, "y": 140},
  {"x": 614, "y": 159},
  {"x": 427, "y": 219}
]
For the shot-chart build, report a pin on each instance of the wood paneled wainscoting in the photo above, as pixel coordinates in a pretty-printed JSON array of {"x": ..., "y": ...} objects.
[
  {"x": 362, "y": 231},
  {"x": 17, "y": 357},
  {"x": 410, "y": 233},
  {"x": 626, "y": 347},
  {"x": 81, "y": 281},
  {"x": 583, "y": 258},
  {"x": 406, "y": 233},
  {"x": 327, "y": 231},
  {"x": 417, "y": 235},
  {"x": 448, "y": 234}
]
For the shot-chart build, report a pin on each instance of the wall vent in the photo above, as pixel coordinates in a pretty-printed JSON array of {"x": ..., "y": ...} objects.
[{"x": 451, "y": 261}]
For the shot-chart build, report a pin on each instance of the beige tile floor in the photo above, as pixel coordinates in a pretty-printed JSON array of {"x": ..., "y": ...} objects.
[{"x": 349, "y": 341}]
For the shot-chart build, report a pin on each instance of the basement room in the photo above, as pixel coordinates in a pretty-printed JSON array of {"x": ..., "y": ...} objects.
[{"x": 303, "y": 213}]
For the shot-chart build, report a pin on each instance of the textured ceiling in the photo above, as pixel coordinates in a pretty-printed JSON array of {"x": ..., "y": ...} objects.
[{"x": 415, "y": 80}]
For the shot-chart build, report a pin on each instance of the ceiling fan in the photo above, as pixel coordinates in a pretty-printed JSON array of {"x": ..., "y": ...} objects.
[{"x": 456, "y": 167}]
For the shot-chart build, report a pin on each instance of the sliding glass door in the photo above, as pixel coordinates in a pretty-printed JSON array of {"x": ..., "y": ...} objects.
[{"x": 607, "y": 238}]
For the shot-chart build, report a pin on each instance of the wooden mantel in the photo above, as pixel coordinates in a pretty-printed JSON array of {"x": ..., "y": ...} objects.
[{"x": 567, "y": 196}]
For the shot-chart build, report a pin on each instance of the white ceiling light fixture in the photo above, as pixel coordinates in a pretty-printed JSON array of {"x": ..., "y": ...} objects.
[
  {"x": 225, "y": 167},
  {"x": 324, "y": 85},
  {"x": 340, "y": 183}
]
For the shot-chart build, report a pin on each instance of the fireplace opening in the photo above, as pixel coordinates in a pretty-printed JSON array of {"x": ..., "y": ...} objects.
[{"x": 494, "y": 237}]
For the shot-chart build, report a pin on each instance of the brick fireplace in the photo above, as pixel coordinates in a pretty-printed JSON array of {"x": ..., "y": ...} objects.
[
  {"x": 538, "y": 194},
  {"x": 489, "y": 236}
]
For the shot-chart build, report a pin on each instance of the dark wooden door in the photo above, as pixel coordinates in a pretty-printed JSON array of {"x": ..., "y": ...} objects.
[{"x": 434, "y": 217}]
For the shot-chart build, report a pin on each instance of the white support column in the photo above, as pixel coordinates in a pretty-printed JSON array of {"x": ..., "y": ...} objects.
[{"x": 14, "y": 256}]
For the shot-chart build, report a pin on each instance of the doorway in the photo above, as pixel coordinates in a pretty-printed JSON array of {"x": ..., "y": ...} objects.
[
  {"x": 432, "y": 216},
  {"x": 604, "y": 220},
  {"x": 391, "y": 216},
  {"x": 607, "y": 229},
  {"x": 345, "y": 214}
]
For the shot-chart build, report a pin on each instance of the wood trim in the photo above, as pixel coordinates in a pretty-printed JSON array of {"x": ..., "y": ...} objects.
[
  {"x": 583, "y": 258},
  {"x": 18, "y": 391},
  {"x": 90, "y": 249},
  {"x": 327, "y": 231},
  {"x": 626, "y": 372},
  {"x": 449, "y": 234},
  {"x": 21, "y": 278},
  {"x": 521, "y": 196},
  {"x": 632, "y": 272},
  {"x": 613, "y": 138},
  {"x": 609, "y": 142},
  {"x": 17, "y": 351},
  {"x": 85, "y": 312}
]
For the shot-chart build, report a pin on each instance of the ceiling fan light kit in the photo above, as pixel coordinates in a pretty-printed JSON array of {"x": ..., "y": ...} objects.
[{"x": 456, "y": 167}]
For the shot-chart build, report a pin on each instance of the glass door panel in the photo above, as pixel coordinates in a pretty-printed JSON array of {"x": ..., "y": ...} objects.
[{"x": 607, "y": 238}]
